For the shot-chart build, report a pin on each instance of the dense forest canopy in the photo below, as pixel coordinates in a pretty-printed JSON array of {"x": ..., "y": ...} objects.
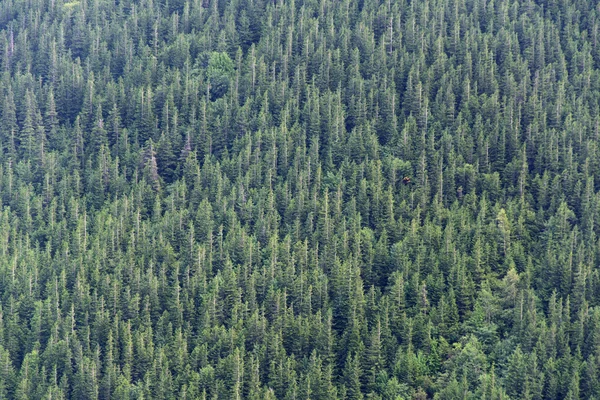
[{"x": 300, "y": 199}]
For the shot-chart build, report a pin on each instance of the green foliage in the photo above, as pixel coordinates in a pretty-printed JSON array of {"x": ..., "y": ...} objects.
[
  {"x": 299, "y": 199},
  {"x": 219, "y": 73}
]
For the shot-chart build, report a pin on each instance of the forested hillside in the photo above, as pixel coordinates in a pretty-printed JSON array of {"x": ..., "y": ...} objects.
[{"x": 299, "y": 199}]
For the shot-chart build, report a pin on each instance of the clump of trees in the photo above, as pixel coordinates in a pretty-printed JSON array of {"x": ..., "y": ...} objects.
[{"x": 299, "y": 200}]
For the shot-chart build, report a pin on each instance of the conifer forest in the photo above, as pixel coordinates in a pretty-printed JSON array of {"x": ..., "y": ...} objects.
[{"x": 299, "y": 199}]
